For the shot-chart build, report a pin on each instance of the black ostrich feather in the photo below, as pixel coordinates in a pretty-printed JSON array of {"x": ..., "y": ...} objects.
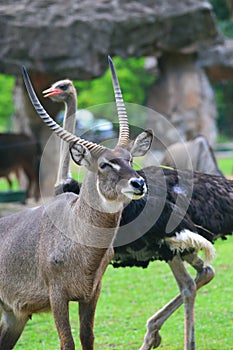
[{"x": 176, "y": 201}]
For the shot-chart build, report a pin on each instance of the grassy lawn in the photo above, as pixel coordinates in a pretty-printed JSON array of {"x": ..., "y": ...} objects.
[
  {"x": 226, "y": 165},
  {"x": 4, "y": 184},
  {"x": 129, "y": 296}
]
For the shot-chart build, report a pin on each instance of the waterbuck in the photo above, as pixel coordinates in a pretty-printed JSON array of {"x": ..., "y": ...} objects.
[{"x": 58, "y": 252}]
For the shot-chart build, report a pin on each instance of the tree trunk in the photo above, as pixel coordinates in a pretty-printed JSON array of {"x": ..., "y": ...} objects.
[{"x": 184, "y": 96}]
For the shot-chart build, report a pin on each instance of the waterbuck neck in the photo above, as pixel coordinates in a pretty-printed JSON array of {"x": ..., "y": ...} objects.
[
  {"x": 71, "y": 105},
  {"x": 93, "y": 197},
  {"x": 97, "y": 222}
]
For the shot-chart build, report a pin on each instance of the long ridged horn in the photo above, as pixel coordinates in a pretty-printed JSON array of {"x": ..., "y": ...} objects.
[
  {"x": 121, "y": 110},
  {"x": 62, "y": 133}
]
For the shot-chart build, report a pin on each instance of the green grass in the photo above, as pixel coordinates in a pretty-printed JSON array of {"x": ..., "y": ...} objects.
[
  {"x": 226, "y": 165},
  {"x": 129, "y": 296},
  {"x": 5, "y": 187}
]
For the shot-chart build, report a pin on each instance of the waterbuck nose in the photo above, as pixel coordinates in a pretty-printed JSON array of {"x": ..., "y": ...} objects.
[{"x": 138, "y": 184}]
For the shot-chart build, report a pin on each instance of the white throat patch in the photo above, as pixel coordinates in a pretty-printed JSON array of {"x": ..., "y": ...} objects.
[{"x": 109, "y": 206}]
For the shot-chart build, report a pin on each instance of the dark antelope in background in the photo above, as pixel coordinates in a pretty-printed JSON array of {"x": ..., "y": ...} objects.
[
  {"x": 19, "y": 151},
  {"x": 195, "y": 154},
  {"x": 58, "y": 252}
]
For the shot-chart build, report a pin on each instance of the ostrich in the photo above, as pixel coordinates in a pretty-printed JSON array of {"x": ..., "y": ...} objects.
[{"x": 185, "y": 212}]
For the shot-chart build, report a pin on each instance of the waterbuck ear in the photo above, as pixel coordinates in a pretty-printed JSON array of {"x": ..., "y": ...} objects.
[
  {"x": 142, "y": 143},
  {"x": 82, "y": 156}
]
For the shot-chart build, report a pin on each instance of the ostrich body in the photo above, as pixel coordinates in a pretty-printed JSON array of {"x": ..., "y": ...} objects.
[
  {"x": 204, "y": 206},
  {"x": 183, "y": 212}
]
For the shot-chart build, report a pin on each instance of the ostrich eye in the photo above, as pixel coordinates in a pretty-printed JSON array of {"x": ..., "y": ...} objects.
[{"x": 63, "y": 87}]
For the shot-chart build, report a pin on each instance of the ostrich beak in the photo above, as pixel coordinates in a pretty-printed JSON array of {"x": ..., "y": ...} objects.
[{"x": 51, "y": 92}]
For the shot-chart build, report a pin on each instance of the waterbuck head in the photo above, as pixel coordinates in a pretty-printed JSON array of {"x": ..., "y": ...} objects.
[{"x": 116, "y": 181}]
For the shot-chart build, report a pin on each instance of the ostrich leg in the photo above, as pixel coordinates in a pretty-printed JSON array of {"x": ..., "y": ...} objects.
[
  {"x": 187, "y": 288},
  {"x": 204, "y": 275}
]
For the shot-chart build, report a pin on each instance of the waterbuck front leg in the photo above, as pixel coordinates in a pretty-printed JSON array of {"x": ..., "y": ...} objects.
[
  {"x": 204, "y": 275},
  {"x": 11, "y": 328},
  {"x": 86, "y": 319},
  {"x": 60, "y": 309}
]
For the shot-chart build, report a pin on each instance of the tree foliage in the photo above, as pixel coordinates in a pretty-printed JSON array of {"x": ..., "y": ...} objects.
[
  {"x": 6, "y": 102},
  {"x": 134, "y": 80},
  {"x": 221, "y": 9}
]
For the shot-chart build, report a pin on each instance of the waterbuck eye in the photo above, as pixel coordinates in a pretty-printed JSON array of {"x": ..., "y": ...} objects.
[{"x": 104, "y": 165}]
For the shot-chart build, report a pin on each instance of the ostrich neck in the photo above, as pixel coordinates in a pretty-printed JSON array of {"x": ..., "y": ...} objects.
[{"x": 69, "y": 125}]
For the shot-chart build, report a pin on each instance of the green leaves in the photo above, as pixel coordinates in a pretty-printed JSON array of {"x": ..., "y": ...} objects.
[
  {"x": 6, "y": 102},
  {"x": 134, "y": 81}
]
